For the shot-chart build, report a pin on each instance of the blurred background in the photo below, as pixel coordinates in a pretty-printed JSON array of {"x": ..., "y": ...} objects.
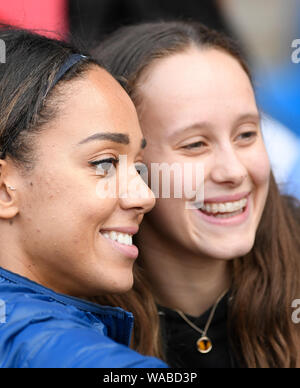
[{"x": 265, "y": 30}]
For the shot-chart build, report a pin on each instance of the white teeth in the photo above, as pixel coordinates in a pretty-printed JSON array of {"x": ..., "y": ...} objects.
[
  {"x": 208, "y": 208},
  {"x": 214, "y": 208},
  {"x": 122, "y": 238},
  {"x": 229, "y": 215},
  {"x": 222, "y": 208},
  {"x": 113, "y": 236},
  {"x": 228, "y": 207}
]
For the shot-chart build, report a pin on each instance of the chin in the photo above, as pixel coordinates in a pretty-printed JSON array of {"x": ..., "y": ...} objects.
[
  {"x": 123, "y": 286},
  {"x": 240, "y": 251},
  {"x": 114, "y": 284},
  {"x": 123, "y": 290},
  {"x": 230, "y": 251}
]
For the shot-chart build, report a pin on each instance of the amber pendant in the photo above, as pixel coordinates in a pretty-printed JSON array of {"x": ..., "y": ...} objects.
[{"x": 204, "y": 345}]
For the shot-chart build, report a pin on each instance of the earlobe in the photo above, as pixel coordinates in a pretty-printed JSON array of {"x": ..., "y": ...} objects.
[{"x": 8, "y": 198}]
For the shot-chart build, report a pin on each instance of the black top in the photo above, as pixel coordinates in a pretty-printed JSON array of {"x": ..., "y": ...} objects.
[{"x": 179, "y": 339}]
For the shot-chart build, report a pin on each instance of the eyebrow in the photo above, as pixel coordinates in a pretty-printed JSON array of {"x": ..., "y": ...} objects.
[
  {"x": 119, "y": 138},
  {"x": 177, "y": 132},
  {"x": 204, "y": 124},
  {"x": 250, "y": 116}
]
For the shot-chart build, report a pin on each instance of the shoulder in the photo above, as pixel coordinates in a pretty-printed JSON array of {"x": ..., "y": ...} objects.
[
  {"x": 22, "y": 304},
  {"x": 37, "y": 331}
]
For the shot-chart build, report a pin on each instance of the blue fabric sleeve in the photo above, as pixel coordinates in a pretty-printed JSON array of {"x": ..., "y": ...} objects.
[{"x": 57, "y": 342}]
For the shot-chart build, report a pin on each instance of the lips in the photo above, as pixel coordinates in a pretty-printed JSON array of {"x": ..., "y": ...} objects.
[
  {"x": 236, "y": 217},
  {"x": 120, "y": 239},
  {"x": 224, "y": 208},
  {"x": 121, "y": 229},
  {"x": 227, "y": 198}
]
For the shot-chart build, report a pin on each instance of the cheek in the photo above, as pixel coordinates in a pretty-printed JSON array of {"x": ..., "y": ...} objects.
[
  {"x": 65, "y": 204},
  {"x": 258, "y": 166},
  {"x": 193, "y": 180},
  {"x": 107, "y": 188},
  {"x": 259, "y": 172}
]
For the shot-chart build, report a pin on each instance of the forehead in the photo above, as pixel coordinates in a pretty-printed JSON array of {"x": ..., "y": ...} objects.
[
  {"x": 92, "y": 103},
  {"x": 196, "y": 85}
]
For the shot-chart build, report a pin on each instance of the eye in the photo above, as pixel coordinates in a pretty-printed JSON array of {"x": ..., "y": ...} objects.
[
  {"x": 105, "y": 166},
  {"x": 247, "y": 135},
  {"x": 197, "y": 144}
]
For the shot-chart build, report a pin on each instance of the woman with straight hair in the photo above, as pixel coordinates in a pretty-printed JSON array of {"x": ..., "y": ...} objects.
[
  {"x": 66, "y": 216},
  {"x": 222, "y": 275}
]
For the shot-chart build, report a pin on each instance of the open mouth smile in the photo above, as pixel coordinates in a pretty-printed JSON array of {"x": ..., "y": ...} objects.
[
  {"x": 226, "y": 213},
  {"x": 122, "y": 241},
  {"x": 225, "y": 210}
]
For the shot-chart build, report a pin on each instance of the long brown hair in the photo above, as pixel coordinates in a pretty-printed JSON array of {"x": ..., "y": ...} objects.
[{"x": 266, "y": 280}]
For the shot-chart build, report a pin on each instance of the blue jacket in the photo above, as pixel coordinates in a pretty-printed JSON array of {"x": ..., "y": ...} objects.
[{"x": 40, "y": 328}]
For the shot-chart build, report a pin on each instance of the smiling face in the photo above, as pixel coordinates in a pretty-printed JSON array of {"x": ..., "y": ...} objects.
[
  {"x": 73, "y": 238},
  {"x": 199, "y": 107}
]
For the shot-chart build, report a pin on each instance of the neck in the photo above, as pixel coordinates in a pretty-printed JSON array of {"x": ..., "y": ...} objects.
[{"x": 181, "y": 279}]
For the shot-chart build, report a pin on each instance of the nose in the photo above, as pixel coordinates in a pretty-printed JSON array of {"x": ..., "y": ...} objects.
[
  {"x": 135, "y": 193},
  {"x": 227, "y": 168}
]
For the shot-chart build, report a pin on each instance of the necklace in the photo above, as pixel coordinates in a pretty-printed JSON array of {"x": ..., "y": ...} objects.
[{"x": 204, "y": 344}]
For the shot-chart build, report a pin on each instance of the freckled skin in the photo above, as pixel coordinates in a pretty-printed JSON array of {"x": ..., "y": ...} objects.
[{"x": 56, "y": 239}]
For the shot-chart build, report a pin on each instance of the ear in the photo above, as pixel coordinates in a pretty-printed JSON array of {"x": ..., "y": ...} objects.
[{"x": 8, "y": 196}]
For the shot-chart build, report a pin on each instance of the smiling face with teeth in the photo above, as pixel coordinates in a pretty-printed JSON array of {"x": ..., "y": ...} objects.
[
  {"x": 224, "y": 210},
  {"x": 198, "y": 106},
  {"x": 66, "y": 236}
]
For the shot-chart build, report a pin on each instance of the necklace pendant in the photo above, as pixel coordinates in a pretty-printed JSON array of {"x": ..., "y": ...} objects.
[{"x": 204, "y": 345}]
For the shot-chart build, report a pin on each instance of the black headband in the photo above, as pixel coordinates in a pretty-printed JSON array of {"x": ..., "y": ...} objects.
[{"x": 71, "y": 61}]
